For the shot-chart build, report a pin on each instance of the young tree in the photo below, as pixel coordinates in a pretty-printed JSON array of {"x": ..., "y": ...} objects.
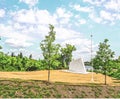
[
  {"x": 49, "y": 49},
  {"x": 103, "y": 57}
]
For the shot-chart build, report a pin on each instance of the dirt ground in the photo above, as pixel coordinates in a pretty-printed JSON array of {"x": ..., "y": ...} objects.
[{"x": 59, "y": 76}]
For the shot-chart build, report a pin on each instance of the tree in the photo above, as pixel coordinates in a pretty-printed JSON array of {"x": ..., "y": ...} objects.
[
  {"x": 0, "y": 46},
  {"x": 12, "y": 54},
  {"x": 66, "y": 54},
  {"x": 49, "y": 48},
  {"x": 118, "y": 60},
  {"x": 30, "y": 56},
  {"x": 103, "y": 57},
  {"x": 20, "y": 55}
]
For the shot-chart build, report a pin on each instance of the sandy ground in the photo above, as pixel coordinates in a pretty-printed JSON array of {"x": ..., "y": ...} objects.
[{"x": 58, "y": 76}]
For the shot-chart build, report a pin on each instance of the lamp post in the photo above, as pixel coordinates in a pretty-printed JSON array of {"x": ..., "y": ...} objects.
[{"x": 92, "y": 79}]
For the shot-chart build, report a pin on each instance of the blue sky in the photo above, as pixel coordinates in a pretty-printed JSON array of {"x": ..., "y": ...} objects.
[{"x": 24, "y": 23}]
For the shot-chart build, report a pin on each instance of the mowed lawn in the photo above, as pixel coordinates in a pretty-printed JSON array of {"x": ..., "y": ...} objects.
[{"x": 59, "y": 76}]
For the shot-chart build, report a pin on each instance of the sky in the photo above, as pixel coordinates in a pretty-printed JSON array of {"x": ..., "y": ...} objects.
[{"x": 24, "y": 24}]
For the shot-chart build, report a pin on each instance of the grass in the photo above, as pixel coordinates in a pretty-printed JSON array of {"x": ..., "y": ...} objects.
[{"x": 15, "y": 88}]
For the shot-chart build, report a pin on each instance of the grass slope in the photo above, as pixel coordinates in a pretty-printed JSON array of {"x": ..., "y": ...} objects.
[{"x": 14, "y": 88}]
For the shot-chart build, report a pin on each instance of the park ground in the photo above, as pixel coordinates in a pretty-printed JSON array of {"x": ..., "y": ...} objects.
[{"x": 62, "y": 85}]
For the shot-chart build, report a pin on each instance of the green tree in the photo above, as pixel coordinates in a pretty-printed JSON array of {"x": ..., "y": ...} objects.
[
  {"x": 66, "y": 54},
  {"x": 20, "y": 55},
  {"x": 118, "y": 60},
  {"x": 0, "y": 46},
  {"x": 49, "y": 49},
  {"x": 103, "y": 57},
  {"x": 30, "y": 56},
  {"x": 19, "y": 63},
  {"x": 12, "y": 54}
]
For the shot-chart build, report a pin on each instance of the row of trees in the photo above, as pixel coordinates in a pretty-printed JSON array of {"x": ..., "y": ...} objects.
[
  {"x": 55, "y": 56},
  {"x": 18, "y": 63}
]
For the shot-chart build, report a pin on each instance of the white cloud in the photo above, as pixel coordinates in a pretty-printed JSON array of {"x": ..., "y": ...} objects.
[
  {"x": 9, "y": 32},
  {"x": 24, "y": 16},
  {"x": 118, "y": 16},
  {"x": 81, "y": 9},
  {"x": 2, "y": 12},
  {"x": 104, "y": 12},
  {"x": 77, "y": 41},
  {"x": 95, "y": 2},
  {"x": 15, "y": 38},
  {"x": 34, "y": 17},
  {"x": 113, "y": 5},
  {"x": 64, "y": 33},
  {"x": 29, "y": 27},
  {"x": 63, "y": 16},
  {"x": 61, "y": 12},
  {"x": 82, "y": 21},
  {"x": 106, "y": 15},
  {"x": 95, "y": 18},
  {"x": 30, "y": 2},
  {"x": 44, "y": 17},
  {"x": 103, "y": 17},
  {"x": 18, "y": 26},
  {"x": 17, "y": 43}
]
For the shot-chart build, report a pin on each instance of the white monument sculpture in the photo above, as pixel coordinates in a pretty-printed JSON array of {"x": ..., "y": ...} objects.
[{"x": 77, "y": 66}]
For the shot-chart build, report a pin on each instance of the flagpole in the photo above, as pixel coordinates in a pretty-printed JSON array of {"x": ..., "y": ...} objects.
[{"x": 92, "y": 79}]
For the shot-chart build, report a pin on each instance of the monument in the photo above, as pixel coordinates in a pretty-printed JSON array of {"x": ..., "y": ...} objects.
[{"x": 77, "y": 66}]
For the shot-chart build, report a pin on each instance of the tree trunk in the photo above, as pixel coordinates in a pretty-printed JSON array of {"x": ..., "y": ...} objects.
[
  {"x": 105, "y": 76},
  {"x": 49, "y": 67},
  {"x": 49, "y": 73}
]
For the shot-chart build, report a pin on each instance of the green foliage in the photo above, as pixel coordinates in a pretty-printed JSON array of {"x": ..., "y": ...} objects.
[
  {"x": 104, "y": 63},
  {"x": 18, "y": 63},
  {"x": 103, "y": 58},
  {"x": 51, "y": 52},
  {"x": 50, "y": 49},
  {"x": 0, "y": 46},
  {"x": 66, "y": 54},
  {"x": 56, "y": 57},
  {"x": 115, "y": 71}
]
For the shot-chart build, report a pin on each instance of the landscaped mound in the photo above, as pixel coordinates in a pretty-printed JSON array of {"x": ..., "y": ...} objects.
[{"x": 58, "y": 76}]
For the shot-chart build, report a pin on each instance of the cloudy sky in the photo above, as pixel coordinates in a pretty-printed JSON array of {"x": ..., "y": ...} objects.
[{"x": 24, "y": 23}]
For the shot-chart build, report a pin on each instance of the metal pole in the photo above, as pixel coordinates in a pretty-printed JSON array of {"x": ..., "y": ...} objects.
[{"x": 91, "y": 59}]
